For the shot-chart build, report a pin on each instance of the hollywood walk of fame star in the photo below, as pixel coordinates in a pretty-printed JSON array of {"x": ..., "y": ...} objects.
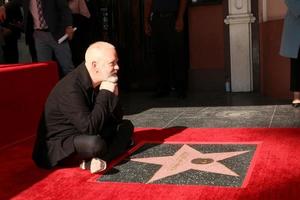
[{"x": 187, "y": 158}]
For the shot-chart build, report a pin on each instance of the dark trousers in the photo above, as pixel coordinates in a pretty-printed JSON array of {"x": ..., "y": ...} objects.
[
  {"x": 32, "y": 50},
  {"x": 171, "y": 54},
  {"x": 81, "y": 40},
  {"x": 106, "y": 147},
  {"x": 10, "y": 49},
  {"x": 295, "y": 74}
]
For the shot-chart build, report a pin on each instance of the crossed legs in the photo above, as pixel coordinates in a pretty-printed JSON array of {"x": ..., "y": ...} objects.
[{"x": 97, "y": 150}]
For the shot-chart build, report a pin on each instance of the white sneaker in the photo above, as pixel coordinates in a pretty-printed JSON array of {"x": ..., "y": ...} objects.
[{"x": 95, "y": 165}]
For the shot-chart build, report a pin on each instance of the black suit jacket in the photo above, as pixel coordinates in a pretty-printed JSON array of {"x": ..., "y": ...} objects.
[
  {"x": 57, "y": 15},
  {"x": 73, "y": 108},
  {"x": 13, "y": 18}
]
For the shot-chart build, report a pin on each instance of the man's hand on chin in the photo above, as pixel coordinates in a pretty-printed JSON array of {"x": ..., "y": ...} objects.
[
  {"x": 107, "y": 85},
  {"x": 110, "y": 84}
]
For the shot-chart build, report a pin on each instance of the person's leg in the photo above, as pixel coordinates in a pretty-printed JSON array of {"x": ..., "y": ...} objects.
[
  {"x": 179, "y": 63},
  {"x": 10, "y": 49},
  {"x": 32, "y": 49},
  {"x": 160, "y": 29},
  {"x": 42, "y": 46},
  {"x": 88, "y": 150},
  {"x": 1, "y": 55},
  {"x": 297, "y": 97},
  {"x": 89, "y": 146},
  {"x": 177, "y": 42},
  {"x": 295, "y": 80},
  {"x": 120, "y": 140},
  {"x": 64, "y": 57},
  {"x": 96, "y": 151}
]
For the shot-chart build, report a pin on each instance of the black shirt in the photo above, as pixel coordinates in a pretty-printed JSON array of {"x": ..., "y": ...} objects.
[{"x": 165, "y": 5}]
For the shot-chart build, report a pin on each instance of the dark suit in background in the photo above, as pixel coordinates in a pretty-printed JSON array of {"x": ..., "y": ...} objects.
[
  {"x": 166, "y": 21},
  {"x": 81, "y": 20},
  {"x": 13, "y": 29},
  {"x": 57, "y": 16},
  {"x": 1, "y": 43}
]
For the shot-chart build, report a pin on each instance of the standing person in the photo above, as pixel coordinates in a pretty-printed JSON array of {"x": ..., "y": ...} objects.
[
  {"x": 1, "y": 44},
  {"x": 82, "y": 119},
  {"x": 12, "y": 28},
  {"x": 290, "y": 45},
  {"x": 1, "y": 39},
  {"x": 81, "y": 19},
  {"x": 164, "y": 21},
  {"x": 47, "y": 21}
]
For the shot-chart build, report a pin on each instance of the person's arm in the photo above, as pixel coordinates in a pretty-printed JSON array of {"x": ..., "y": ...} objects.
[
  {"x": 83, "y": 9},
  {"x": 147, "y": 14},
  {"x": 10, "y": 4},
  {"x": 14, "y": 20},
  {"x": 2, "y": 13},
  {"x": 293, "y": 6},
  {"x": 78, "y": 113},
  {"x": 66, "y": 17},
  {"x": 180, "y": 15},
  {"x": 112, "y": 86}
]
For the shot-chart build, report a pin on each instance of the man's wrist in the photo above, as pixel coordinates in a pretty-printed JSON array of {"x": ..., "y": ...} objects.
[
  {"x": 110, "y": 81},
  {"x": 68, "y": 28},
  {"x": 107, "y": 85}
]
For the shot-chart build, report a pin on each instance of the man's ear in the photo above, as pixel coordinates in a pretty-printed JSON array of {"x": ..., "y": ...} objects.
[{"x": 94, "y": 66}]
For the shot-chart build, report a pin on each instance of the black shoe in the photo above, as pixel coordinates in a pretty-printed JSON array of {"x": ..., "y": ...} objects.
[
  {"x": 296, "y": 105},
  {"x": 160, "y": 94},
  {"x": 181, "y": 95},
  {"x": 130, "y": 144}
]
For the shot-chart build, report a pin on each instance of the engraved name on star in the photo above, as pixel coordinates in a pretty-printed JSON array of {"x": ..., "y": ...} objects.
[{"x": 187, "y": 158}]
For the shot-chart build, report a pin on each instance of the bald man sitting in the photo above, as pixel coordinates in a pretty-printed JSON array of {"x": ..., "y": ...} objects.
[{"x": 82, "y": 120}]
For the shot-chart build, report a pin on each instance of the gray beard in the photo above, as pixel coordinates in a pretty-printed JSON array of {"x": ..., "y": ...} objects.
[{"x": 113, "y": 79}]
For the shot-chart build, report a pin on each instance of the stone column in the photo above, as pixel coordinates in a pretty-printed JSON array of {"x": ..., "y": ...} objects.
[{"x": 239, "y": 21}]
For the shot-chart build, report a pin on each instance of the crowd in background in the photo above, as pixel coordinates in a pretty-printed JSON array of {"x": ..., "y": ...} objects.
[
  {"x": 45, "y": 22},
  {"x": 83, "y": 14}
]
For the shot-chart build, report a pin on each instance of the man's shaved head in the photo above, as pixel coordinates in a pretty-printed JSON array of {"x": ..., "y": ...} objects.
[
  {"x": 96, "y": 51},
  {"x": 101, "y": 61}
]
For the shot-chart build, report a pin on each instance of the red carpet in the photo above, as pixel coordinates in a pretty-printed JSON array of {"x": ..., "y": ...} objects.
[{"x": 275, "y": 173}]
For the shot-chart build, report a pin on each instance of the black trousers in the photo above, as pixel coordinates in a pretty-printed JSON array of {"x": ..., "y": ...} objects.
[
  {"x": 295, "y": 74},
  {"x": 106, "y": 147},
  {"x": 81, "y": 40},
  {"x": 170, "y": 52},
  {"x": 10, "y": 49}
]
